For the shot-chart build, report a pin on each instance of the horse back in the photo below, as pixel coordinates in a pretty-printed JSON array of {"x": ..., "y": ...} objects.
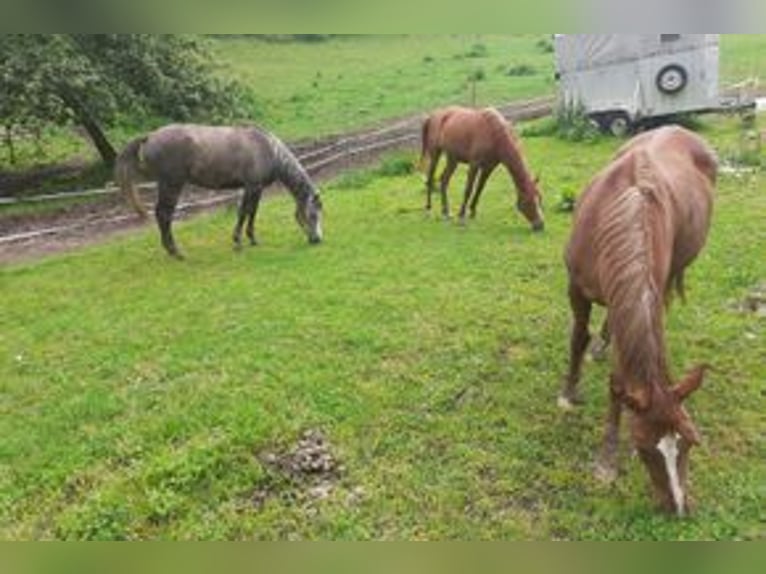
[
  {"x": 467, "y": 135},
  {"x": 210, "y": 156},
  {"x": 674, "y": 171}
]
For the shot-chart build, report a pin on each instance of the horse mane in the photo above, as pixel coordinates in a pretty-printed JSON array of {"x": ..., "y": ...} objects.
[
  {"x": 624, "y": 241},
  {"x": 509, "y": 148},
  {"x": 291, "y": 172}
]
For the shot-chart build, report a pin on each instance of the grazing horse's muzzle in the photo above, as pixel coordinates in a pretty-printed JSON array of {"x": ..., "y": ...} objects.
[{"x": 538, "y": 226}]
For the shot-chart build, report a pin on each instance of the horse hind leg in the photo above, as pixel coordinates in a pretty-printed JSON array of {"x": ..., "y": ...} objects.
[
  {"x": 471, "y": 179},
  {"x": 449, "y": 170},
  {"x": 433, "y": 163},
  {"x": 167, "y": 199},
  {"x": 580, "y": 338}
]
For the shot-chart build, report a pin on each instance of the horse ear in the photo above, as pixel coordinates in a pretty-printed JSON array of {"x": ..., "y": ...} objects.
[{"x": 690, "y": 383}]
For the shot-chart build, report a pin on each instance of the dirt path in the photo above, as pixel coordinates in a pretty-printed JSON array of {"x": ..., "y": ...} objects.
[{"x": 25, "y": 237}]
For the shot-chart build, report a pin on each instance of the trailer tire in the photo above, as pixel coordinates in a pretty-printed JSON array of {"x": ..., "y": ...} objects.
[
  {"x": 671, "y": 79},
  {"x": 617, "y": 124}
]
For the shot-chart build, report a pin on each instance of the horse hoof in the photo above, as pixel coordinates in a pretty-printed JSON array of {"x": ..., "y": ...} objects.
[
  {"x": 462, "y": 221},
  {"x": 605, "y": 473}
]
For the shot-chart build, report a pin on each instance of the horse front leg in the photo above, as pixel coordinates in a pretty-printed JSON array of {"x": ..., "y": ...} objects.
[
  {"x": 470, "y": 180},
  {"x": 580, "y": 338},
  {"x": 250, "y": 229},
  {"x": 445, "y": 179},
  {"x": 485, "y": 173},
  {"x": 606, "y": 466},
  {"x": 167, "y": 199}
]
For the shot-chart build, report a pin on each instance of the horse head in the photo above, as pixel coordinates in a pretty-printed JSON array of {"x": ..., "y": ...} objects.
[
  {"x": 663, "y": 433},
  {"x": 308, "y": 214},
  {"x": 530, "y": 204}
]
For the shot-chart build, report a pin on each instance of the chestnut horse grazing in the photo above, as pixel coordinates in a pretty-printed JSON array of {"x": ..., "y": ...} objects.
[
  {"x": 482, "y": 139},
  {"x": 217, "y": 157},
  {"x": 637, "y": 226}
]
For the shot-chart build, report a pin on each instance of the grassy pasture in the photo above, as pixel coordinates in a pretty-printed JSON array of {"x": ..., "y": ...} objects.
[
  {"x": 306, "y": 90},
  {"x": 136, "y": 392}
]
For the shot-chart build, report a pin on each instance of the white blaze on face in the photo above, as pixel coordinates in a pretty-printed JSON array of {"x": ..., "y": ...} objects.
[{"x": 668, "y": 446}]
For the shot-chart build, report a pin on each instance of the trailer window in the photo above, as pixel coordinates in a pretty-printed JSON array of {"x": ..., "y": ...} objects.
[{"x": 665, "y": 38}]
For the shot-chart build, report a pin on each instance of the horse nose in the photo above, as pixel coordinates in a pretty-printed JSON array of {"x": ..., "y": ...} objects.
[
  {"x": 315, "y": 240},
  {"x": 538, "y": 225}
]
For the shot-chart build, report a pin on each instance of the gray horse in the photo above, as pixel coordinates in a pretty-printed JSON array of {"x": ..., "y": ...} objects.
[{"x": 216, "y": 158}]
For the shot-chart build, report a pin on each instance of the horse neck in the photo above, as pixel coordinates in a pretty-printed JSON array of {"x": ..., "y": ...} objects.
[
  {"x": 510, "y": 157},
  {"x": 627, "y": 244},
  {"x": 291, "y": 172}
]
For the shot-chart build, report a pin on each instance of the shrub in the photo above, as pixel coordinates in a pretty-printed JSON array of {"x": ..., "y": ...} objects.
[{"x": 573, "y": 124}]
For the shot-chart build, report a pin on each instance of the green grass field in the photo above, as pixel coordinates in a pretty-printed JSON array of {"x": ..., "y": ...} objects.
[
  {"x": 138, "y": 394},
  {"x": 307, "y": 90}
]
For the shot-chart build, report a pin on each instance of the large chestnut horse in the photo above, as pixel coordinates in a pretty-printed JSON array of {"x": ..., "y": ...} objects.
[
  {"x": 637, "y": 226},
  {"x": 482, "y": 139}
]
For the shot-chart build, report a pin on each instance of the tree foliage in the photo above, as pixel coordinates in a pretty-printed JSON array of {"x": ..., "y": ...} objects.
[{"x": 94, "y": 79}]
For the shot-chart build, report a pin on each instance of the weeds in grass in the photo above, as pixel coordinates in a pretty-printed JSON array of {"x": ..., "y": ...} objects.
[
  {"x": 545, "y": 45},
  {"x": 478, "y": 50},
  {"x": 520, "y": 70},
  {"x": 478, "y": 75}
]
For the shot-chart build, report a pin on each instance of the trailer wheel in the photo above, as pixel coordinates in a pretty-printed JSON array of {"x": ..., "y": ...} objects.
[
  {"x": 617, "y": 124},
  {"x": 671, "y": 79}
]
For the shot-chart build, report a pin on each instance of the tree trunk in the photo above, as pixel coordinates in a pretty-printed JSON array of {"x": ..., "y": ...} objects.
[
  {"x": 9, "y": 144},
  {"x": 89, "y": 123}
]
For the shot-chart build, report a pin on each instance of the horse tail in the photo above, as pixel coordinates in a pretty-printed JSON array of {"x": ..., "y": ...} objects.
[
  {"x": 127, "y": 168},
  {"x": 424, "y": 141}
]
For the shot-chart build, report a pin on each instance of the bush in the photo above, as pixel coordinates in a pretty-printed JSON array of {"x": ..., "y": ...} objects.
[{"x": 573, "y": 124}]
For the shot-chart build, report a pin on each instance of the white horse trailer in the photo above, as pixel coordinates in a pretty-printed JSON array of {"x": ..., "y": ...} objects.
[{"x": 623, "y": 79}]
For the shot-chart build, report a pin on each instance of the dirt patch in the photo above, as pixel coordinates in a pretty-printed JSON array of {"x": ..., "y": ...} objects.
[{"x": 305, "y": 473}]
